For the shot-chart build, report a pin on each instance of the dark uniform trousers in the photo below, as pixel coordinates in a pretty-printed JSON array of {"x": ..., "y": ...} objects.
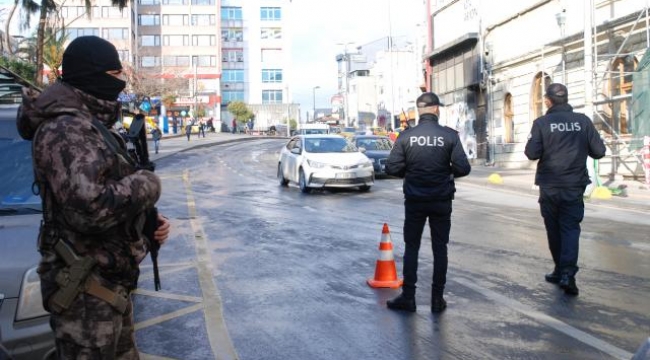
[
  {"x": 563, "y": 209},
  {"x": 416, "y": 214}
]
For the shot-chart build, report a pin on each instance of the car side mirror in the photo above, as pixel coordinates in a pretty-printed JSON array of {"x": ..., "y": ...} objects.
[
  {"x": 362, "y": 149},
  {"x": 295, "y": 151}
]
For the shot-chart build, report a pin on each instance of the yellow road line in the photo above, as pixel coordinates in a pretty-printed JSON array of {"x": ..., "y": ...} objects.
[
  {"x": 218, "y": 335},
  {"x": 162, "y": 318},
  {"x": 164, "y": 295}
]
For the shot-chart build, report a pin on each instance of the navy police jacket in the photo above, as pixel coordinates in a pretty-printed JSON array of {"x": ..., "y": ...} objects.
[
  {"x": 561, "y": 140},
  {"x": 428, "y": 157}
]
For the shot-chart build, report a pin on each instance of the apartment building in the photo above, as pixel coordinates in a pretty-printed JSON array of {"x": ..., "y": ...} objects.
[
  {"x": 491, "y": 61},
  {"x": 206, "y": 52}
]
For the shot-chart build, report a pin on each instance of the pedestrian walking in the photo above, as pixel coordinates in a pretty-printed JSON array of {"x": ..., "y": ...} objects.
[
  {"x": 188, "y": 130},
  {"x": 174, "y": 125},
  {"x": 561, "y": 140},
  {"x": 234, "y": 126},
  {"x": 201, "y": 128},
  {"x": 428, "y": 157},
  {"x": 91, "y": 237},
  {"x": 156, "y": 135}
]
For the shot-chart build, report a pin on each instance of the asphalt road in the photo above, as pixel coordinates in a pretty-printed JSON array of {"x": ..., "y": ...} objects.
[{"x": 257, "y": 271}]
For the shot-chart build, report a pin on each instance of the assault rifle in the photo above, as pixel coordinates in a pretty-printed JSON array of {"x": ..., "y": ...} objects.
[{"x": 139, "y": 151}]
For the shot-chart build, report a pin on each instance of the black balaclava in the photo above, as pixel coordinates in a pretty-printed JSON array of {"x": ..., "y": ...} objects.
[{"x": 85, "y": 62}]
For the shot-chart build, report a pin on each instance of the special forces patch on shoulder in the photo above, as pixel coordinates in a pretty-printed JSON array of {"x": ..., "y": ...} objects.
[{"x": 530, "y": 136}]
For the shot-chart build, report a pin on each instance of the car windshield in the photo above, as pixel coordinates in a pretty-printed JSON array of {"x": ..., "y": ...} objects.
[
  {"x": 374, "y": 144},
  {"x": 16, "y": 173},
  {"x": 329, "y": 145}
]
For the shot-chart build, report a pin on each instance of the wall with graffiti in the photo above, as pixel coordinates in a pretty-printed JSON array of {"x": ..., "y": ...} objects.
[{"x": 460, "y": 115}]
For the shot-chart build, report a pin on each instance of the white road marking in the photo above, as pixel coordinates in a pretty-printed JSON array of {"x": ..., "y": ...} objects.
[{"x": 547, "y": 320}]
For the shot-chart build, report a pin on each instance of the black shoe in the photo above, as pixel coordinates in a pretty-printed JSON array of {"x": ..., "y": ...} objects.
[
  {"x": 402, "y": 302},
  {"x": 553, "y": 278},
  {"x": 438, "y": 304},
  {"x": 568, "y": 284}
]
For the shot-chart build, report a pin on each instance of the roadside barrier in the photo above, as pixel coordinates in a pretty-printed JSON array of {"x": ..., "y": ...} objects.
[{"x": 385, "y": 271}]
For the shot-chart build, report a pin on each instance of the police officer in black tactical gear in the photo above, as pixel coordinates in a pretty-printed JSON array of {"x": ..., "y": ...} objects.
[
  {"x": 428, "y": 156},
  {"x": 561, "y": 140}
]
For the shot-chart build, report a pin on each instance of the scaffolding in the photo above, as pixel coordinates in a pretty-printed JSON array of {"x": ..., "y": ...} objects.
[{"x": 625, "y": 89}]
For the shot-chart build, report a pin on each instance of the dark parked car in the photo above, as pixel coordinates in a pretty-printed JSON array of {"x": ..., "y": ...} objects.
[
  {"x": 376, "y": 148},
  {"x": 25, "y": 332}
]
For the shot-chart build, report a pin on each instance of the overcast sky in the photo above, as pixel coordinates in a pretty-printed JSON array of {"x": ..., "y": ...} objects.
[{"x": 318, "y": 25}]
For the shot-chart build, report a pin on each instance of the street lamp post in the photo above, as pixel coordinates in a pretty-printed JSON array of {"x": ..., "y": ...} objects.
[{"x": 314, "y": 114}]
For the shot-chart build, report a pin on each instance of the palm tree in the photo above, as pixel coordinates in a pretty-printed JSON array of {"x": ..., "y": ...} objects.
[
  {"x": 53, "y": 52},
  {"x": 29, "y": 7},
  {"x": 47, "y": 7}
]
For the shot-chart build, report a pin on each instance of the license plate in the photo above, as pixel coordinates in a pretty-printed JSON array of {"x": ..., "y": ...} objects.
[{"x": 344, "y": 175}]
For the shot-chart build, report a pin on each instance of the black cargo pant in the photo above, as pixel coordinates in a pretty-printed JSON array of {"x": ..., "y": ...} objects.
[
  {"x": 563, "y": 209},
  {"x": 416, "y": 215}
]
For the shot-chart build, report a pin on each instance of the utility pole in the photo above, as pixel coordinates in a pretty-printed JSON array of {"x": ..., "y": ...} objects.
[{"x": 314, "y": 114}]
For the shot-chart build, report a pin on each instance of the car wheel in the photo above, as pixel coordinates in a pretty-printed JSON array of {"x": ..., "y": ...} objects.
[
  {"x": 302, "y": 182},
  {"x": 364, "y": 188},
  {"x": 283, "y": 181}
]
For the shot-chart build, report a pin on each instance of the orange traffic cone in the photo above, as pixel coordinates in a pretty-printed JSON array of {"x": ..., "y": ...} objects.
[{"x": 385, "y": 272}]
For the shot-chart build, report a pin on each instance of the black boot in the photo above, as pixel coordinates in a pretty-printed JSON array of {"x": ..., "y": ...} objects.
[
  {"x": 402, "y": 302},
  {"x": 438, "y": 304},
  {"x": 553, "y": 277},
  {"x": 568, "y": 284}
]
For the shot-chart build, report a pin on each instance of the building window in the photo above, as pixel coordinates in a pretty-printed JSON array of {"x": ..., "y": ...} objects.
[
  {"x": 271, "y": 55},
  {"x": 620, "y": 85},
  {"x": 232, "y": 76},
  {"x": 176, "y": 20},
  {"x": 508, "y": 120},
  {"x": 71, "y": 12},
  {"x": 74, "y": 33},
  {"x": 149, "y": 20},
  {"x": 204, "y": 61},
  {"x": 203, "y": 20},
  {"x": 204, "y": 40},
  {"x": 115, "y": 33},
  {"x": 232, "y": 55},
  {"x": 113, "y": 12},
  {"x": 271, "y": 96},
  {"x": 203, "y": 2},
  {"x": 231, "y": 95},
  {"x": 149, "y": 40},
  {"x": 176, "y": 40},
  {"x": 271, "y": 33},
  {"x": 176, "y": 61},
  {"x": 271, "y": 75},
  {"x": 232, "y": 35},
  {"x": 231, "y": 13},
  {"x": 541, "y": 82},
  {"x": 175, "y": 2},
  {"x": 271, "y": 13},
  {"x": 149, "y": 61},
  {"x": 149, "y": 2},
  {"x": 124, "y": 55}
]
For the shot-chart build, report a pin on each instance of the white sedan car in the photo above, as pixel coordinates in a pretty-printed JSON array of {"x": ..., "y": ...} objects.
[{"x": 318, "y": 161}]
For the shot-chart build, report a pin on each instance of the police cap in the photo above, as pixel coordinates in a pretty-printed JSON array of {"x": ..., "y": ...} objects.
[{"x": 428, "y": 99}]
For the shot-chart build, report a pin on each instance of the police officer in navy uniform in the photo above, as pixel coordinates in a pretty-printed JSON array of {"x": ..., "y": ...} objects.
[
  {"x": 561, "y": 140},
  {"x": 428, "y": 156}
]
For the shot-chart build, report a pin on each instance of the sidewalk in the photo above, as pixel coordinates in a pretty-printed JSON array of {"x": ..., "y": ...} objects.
[
  {"x": 635, "y": 194},
  {"x": 171, "y": 144}
]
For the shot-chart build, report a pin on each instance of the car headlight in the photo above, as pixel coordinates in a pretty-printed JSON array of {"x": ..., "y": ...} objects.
[
  {"x": 30, "y": 301},
  {"x": 367, "y": 164},
  {"x": 316, "y": 164}
]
